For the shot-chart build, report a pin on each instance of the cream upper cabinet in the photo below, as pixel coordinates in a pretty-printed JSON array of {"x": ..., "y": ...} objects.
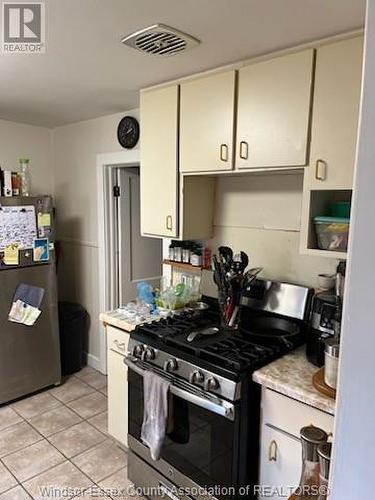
[
  {"x": 206, "y": 123},
  {"x": 172, "y": 206},
  {"x": 159, "y": 161},
  {"x": 274, "y": 111},
  {"x": 335, "y": 114}
]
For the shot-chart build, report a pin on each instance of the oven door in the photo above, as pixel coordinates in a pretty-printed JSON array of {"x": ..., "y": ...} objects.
[{"x": 202, "y": 436}]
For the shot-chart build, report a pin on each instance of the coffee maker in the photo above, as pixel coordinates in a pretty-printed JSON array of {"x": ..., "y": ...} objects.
[
  {"x": 325, "y": 318},
  {"x": 321, "y": 328}
]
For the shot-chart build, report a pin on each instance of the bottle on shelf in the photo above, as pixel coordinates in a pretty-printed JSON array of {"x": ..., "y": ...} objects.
[
  {"x": 24, "y": 164},
  {"x": 171, "y": 250},
  {"x": 196, "y": 255}
]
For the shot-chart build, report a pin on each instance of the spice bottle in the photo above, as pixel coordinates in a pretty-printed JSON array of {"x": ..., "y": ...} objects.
[
  {"x": 311, "y": 438},
  {"x": 178, "y": 251},
  {"x": 196, "y": 257},
  {"x": 171, "y": 250},
  {"x": 186, "y": 252},
  {"x": 324, "y": 453},
  {"x": 207, "y": 255}
]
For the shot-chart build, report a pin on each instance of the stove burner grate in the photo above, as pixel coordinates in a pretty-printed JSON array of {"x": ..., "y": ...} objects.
[{"x": 237, "y": 353}]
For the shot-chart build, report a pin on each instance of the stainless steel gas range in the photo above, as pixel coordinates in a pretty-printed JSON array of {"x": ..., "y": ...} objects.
[{"x": 212, "y": 448}]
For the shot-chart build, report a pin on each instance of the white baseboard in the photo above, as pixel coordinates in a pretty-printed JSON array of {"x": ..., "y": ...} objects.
[{"x": 93, "y": 361}]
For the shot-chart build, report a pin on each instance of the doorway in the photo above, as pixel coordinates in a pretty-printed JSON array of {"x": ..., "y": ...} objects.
[
  {"x": 136, "y": 258},
  {"x": 125, "y": 257}
]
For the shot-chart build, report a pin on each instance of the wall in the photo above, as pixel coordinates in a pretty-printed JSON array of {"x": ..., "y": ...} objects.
[
  {"x": 19, "y": 140},
  {"x": 75, "y": 148},
  {"x": 260, "y": 214},
  {"x": 353, "y": 454}
]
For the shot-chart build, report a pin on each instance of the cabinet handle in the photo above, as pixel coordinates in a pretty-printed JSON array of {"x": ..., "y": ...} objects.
[
  {"x": 224, "y": 152},
  {"x": 119, "y": 345},
  {"x": 244, "y": 150},
  {"x": 320, "y": 170},
  {"x": 272, "y": 451},
  {"x": 168, "y": 222}
]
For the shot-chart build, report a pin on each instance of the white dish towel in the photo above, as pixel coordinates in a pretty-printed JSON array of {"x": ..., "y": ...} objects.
[{"x": 155, "y": 414}]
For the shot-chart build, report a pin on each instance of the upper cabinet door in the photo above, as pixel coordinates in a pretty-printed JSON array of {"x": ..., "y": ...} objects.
[
  {"x": 274, "y": 111},
  {"x": 206, "y": 123},
  {"x": 159, "y": 161},
  {"x": 335, "y": 114}
]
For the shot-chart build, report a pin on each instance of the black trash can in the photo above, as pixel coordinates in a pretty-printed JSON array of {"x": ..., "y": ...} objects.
[{"x": 74, "y": 325}]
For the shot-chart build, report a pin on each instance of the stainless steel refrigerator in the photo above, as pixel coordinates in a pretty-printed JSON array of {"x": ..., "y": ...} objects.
[{"x": 29, "y": 355}]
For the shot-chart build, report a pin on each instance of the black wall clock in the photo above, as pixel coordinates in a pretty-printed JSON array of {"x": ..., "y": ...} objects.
[{"x": 128, "y": 132}]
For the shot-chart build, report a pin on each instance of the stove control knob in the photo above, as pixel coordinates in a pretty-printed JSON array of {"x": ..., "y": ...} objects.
[
  {"x": 211, "y": 384},
  {"x": 170, "y": 365},
  {"x": 196, "y": 377},
  {"x": 148, "y": 354},
  {"x": 138, "y": 350}
]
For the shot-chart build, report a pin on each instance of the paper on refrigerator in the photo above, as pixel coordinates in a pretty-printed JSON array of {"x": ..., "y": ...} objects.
[
  {"x": 17, "y": 226},
  {"x": 23, "y": 313},
  {"x": 11, "y": 255},
  {"x": 26, "y": 304}
]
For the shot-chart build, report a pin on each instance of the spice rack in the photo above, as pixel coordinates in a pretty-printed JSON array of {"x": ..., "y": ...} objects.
[{"x": 183, "y": 266}]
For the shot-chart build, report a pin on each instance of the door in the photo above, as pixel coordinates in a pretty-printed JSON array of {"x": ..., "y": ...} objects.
[
  {"x": 335, "y": 114},
  {"x": 280, "y": 464},
  {"x": 159, "y": 162},
  {"x": 29, "y": 355},
  {"x": 273, "y": 112},
  {"x": 206, "y": 123},
  {"x": 139, "y": 258}
]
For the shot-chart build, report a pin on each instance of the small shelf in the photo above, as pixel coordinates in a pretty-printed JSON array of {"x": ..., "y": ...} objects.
[
  {"x": 326, "y": 253},
  {"x": 183, "y": 266},
  {"x": 319, "y": 204}
]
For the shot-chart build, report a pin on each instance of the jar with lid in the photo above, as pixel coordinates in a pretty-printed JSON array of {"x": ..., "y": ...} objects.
[
  {"x": 186, "y": 252},
  {"x": 171, "y": 250},
  {"x": 311, "y": 438},
  {"x": 196, "y": 256},
  {"x": 324, "y": 453},
  {"x": 178, "y": 252},
  {"x": 24, "y": 164}
]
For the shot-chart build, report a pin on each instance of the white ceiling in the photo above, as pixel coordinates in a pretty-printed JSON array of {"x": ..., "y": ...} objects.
[{"x": 86, "y": 72}]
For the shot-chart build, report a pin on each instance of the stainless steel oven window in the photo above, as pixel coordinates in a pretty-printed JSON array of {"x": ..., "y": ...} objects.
[{"x": 201, "y": 443}]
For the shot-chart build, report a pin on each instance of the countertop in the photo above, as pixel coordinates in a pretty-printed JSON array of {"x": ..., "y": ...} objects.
[
  {"x": 119, "y": 320},
  {"x": 292, "y": 375},
  {"x": 116, "y": 319}
]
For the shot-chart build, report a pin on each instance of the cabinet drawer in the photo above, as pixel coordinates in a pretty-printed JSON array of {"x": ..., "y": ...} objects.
[
  {"x": 117, "y": 340},
  {"x": 280, "y": 464},
  {"x": 290, "y": 415}
]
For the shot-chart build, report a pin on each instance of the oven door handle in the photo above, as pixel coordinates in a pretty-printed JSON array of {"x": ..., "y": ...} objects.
[
  {"x": 211, "y": 403},
  {"x": 166, "y": 491}
]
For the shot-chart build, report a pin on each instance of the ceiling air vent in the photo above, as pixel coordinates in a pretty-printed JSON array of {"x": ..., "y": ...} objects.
[{"x": 160, "y": 40}]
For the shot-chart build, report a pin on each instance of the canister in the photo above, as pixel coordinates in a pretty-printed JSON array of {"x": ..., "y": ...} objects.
[{"x": 331, "y": 365}]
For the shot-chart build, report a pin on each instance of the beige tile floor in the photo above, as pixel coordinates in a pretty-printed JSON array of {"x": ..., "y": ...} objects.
[{"x": 56, "y": 443}]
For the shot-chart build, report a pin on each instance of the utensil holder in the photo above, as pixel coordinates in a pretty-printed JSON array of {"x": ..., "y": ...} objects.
[{"x": 230, "y": 311}]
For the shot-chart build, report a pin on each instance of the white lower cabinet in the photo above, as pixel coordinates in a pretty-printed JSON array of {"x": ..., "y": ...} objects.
[
  {"x": 117, "y": 346},
  {"x": 280, "y": 447},
  {"x": 280, "y": 463}
]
